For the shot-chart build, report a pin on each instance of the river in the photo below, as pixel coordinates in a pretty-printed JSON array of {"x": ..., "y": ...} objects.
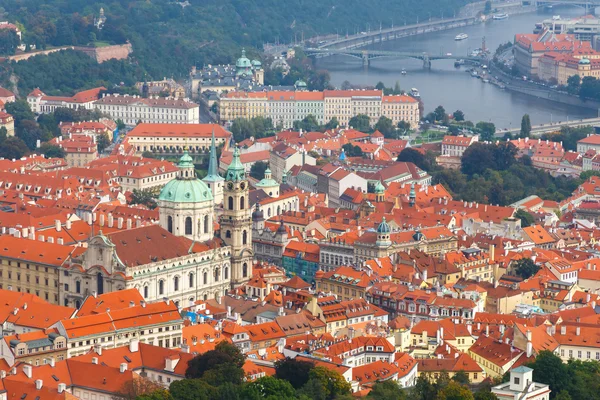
[{"x": 451, "y": 87}]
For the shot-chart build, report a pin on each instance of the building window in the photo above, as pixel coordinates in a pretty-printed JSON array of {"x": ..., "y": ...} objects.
[
  {"x": 242, "y": 203},
  {"x": 176, "y": 283},
  {"x": 206, "y": 224},
  {"x": 244, "y": 237},
  {"x": 245, "y": 270},
  {"x": 191, "y": 279},
  {"x": 161, "y": 287},
  {"x": 188, "y": 225},
  {"x": 145, "y": 292},
  {"x": 226, "y": 273},
  {"x": 230, "y": 202},
  {"x": 78, "y": 286},
  {"x": 170, "y": 224},
  {"x": 228, "y": 234}
]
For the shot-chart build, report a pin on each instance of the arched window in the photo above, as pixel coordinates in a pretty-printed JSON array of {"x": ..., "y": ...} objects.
[
  {"x": 205, "y": 297},
  {"x": 245, "y": 270},
  {"x": 77, "y": 304},
  {"x": 226, "y": 273},
  {"x": 100, "y": 283},
  {"x": 244, "y": 237},
  {"x": 170, "y": 224},
  {"x": 188, "y": 225},
  {"x": 145, "y": 292},
  {"x": 161, "y": 287},
  {"x": 217, "y": 274},
  {"x": 176, "y": 283},
  {"x": 230, "y": 202},
  {"x": 242, "y": 203},
  {"x": 269, "y": 212},
  {"x": 78, "y": 286},
  {"x": 191, "y": 279},
  {"x": 228, "y": 234},
  {"x": 206, "y": 224},
  {"x": 205, "y": 278}
]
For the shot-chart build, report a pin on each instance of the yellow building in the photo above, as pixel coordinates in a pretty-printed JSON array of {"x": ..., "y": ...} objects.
[
  {"x": 557, "y": 68},
  {"x": 32, "y": 266}
]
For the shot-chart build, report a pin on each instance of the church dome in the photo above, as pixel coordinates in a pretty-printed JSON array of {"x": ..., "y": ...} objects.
[
  {"x": 384, "y": 227},
  {"x": 267, "y": 181},
  {"x": 257, "y": 214},
  {"x": 243, "y": 61},
  {"x": 186, "y": 188},
  {"x": 584, "y": 61},
  {"x": 256, "y": 64},
  {"x": 300, "y": 84}
]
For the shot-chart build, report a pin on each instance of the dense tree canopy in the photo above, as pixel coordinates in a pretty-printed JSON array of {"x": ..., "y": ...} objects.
[{"x": 526, "y": 268}]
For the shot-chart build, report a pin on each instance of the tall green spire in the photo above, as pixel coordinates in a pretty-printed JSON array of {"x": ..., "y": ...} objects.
[
  {"x": 236, "y": 171},
  {"x": 213, "y": 172}
]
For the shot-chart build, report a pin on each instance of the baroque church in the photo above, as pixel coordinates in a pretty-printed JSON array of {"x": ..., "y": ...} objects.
[{"x": 182, "y": 258}]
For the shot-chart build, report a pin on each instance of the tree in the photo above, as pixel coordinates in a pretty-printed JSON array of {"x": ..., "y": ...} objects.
[
  {"x": 424, "y": 389},
  {"x": 294, "y": 371},
  {"x": 331, "y": 381},
  {"x": 192, "y": 389},
  {"x": 386, "y": 390},
  {"x": 485, "y": 395},
  {"x": 525, "y": 126},
  {"x": 526, "y": 268},
  {"x": 461, "y": 377},
  {"x": 102, "y": 141},
  {"x": 3, "y": 134},
  {"x": 458, "y": 116},
  {"x": 308, "y": 124},
  {"x": 487, "y": 131},
  {"x": 548, "y": 368},
  {"x": 440, "y": 113},
  {"x": 380, "y": 86},
  {"x": 257, "y": 171},
  {"x": 144, "y": 197},
  {"x": 360, "y": 122},
  {"x": 52, "y": 151},
  {"x": 140, "y": 386},
  {"x": 352, "y": 151},
  {"x": 272, "y": 388},
  {"x": 573, "y": 84},
  {"x": 404, "y": 126},
  {"x": 332, "y": 124},
  {"x": 414, "y": 156},
  {"x": 488, "y": 7},
  {"x": 218, "y": 366},
  {"x": 525, "y": 217},
  {"x": 455, "y": 391},
  {"x": 13, "y": 148},
  {"x": 386, "y": 127},
  {"x": 8, "y": 42},
  {"x": 20, "y": 111},
  {"x": 562, "y": 395},
  {"x": 30, "y": 132}
]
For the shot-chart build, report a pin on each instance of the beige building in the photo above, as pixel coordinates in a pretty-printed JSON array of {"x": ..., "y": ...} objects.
[
  {"x": 155, "y": 110},
  {"x": 283, "y": 158},
  {"x": 285, "y": 107},
  {"x": 557, "y": 68},
  {"x": 31, "y": 266},
  {"x": 35, "y": 348},
  {"x": 80, "y": 149},
  {"x": 169, "y": 139},
  {"x": 7, "y": 121}
]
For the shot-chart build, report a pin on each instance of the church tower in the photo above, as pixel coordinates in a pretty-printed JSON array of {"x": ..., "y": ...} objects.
[
  {"x": 213, "y": 179},
  {"x": 412, "y": 195},
  {"x": 236, "y": 222}
]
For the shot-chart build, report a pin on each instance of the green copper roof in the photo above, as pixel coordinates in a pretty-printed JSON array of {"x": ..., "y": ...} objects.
[
  {"x": 185, "y": 191},
  {"x": 383, "y": 227},
  {"x": 186, "y": 188},
  {"x": 267, "y": 183},
  {"x": 412, "y": 191},
  {"x": 236, "y": 171},
  {"x": 243, "y": 61},
  {"x": 379, "y": 189},
  {"x": 213, "y": 172}
]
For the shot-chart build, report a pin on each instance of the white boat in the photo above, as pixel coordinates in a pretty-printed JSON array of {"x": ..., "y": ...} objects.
[
  {"x": 414, "y": 92},
  {"x": 403, "y": 71},
  {"x": 500, "y": 16},
  {"x": 461, "y": 36}
]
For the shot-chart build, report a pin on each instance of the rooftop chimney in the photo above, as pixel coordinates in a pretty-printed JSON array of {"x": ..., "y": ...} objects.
[
  {"x": 27, "y": 370},
  {"x": 38, "y": 384},
  {"x": 62, "y": 387},
  {"x": 123, "y": 367},
  {"x": 134, "y": 346}
]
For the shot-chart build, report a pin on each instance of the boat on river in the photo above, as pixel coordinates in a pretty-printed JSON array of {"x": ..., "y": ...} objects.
[
  {"x": 500, "y": 16},
  {"x": 461, "y": 36}
]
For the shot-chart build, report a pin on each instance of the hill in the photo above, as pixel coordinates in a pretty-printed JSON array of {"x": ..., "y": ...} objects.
[{"x": 168, "y": 36}]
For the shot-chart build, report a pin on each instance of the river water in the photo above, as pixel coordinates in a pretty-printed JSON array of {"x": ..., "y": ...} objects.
[{"x": 451, "y": 87}]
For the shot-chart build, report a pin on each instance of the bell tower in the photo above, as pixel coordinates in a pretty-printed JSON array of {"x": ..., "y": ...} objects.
[{"x": 236, "y": 222}]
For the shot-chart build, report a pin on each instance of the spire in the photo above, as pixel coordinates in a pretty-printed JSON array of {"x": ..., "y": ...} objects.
[
  {"x": 236, "y": 171},
  {"x": 213, "y": 172}
]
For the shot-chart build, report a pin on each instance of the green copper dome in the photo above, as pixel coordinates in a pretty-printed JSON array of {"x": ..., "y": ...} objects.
[
  {"x": 236, "y": 171},
  {"x": 383, "y": 227},
  {"x": 186, "y": 188},
  {"x": 379, "y": 189},
  {"x": 243, "y": 61},
  {"x": 267, "y": 181}
]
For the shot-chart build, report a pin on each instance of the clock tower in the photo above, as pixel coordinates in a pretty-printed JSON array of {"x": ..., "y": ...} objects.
[{"x": 236, "y": 223}]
